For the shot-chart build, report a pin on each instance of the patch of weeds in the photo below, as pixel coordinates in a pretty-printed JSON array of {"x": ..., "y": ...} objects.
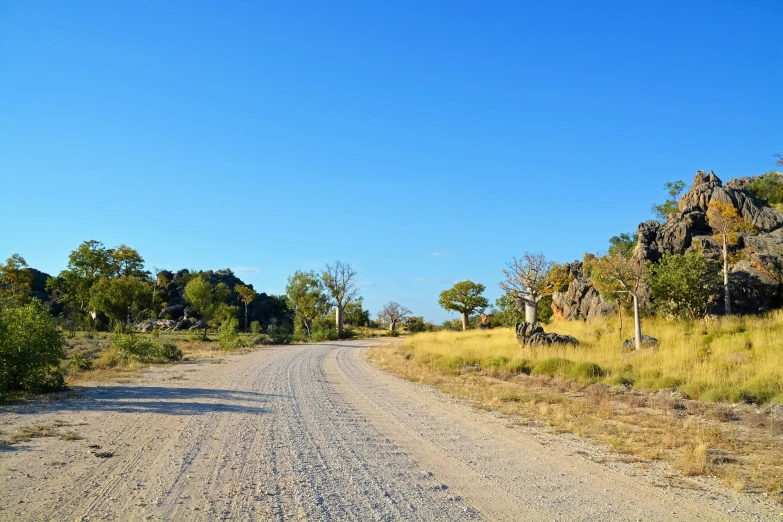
[
  {"x": 69, "y": 435},
  {"x": 586, "y": 371},
  {"x": 34, "y": 431},
  {"x": 552, "y": 366}
]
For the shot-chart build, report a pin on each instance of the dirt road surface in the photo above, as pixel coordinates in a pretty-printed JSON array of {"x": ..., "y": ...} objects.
[{"x": 315, "y": 432}]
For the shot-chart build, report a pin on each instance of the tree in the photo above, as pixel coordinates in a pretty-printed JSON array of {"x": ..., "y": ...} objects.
[
  {"x": 624, "y": 242},
  {"x": 338, "y": 280},
  {"x": 16, "y": 279},
  {"x": 779, "y": 160},
  {"x": 120, "y": 298},
  {"x": 306, "y": 297},
  {"x": 355, "y": 314},
  {"x": 126, "y": 262},
  {"x": 683, "y": 286},
  {"x": 393, "y": 314},
  {"x": 725, "y": 222},
  {"x": 86, "y": 265},
  {"x": 246, "y": 295},
  {"x": 207, "y": 300},
  {"x": 31, "y": 348},
  {"x": 465, "y": 298},
  {"x": 618, "y": 273},
  {"x": 530, "y": 279},
  {"x": 671, "y": 205}
]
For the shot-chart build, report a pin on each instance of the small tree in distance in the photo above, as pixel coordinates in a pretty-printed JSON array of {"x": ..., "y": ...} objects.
[
  {"x": 465, "y": 298},
  {"x": 530, "y": 279},
  {"x": 246, "y": 295},
  {"x": 615, "y": 273},
  {"x": 394, "y": 313},
  {"x": 306, "y": 297},
  {"x": 725, "y": 222},
  {"x": 671, "y": 205},
  {"x": 205, "y": 299},
  {"x": 338, "y": 280},
  {"x": 683, "y": 285}
]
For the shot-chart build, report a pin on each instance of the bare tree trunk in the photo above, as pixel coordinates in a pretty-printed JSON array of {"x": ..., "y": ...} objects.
[
  {"x": 338, "y": 317},
  {"x": 620, "y": 310},
  {"x": 637, "y": 322},
  {"x": 246, "y": 317},
  {"x": 392, "y": 325},
  {"x": 464, "y": 321},
  {"x": 531, "y": 310},
  {"x": 726, "y": 289},
  {"x": 306, "y": 324}
]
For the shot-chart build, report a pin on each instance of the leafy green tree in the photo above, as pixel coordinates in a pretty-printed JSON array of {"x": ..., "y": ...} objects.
[
  {"x": 338, "y": 279},
  {"x": 416, "y": 325},
  {"x": 355, "y": 314},
  {"x": 683, "y": 286},
  {"x": 31, "y": 348},
  {"x": 624, "y": 243},
  {"x": 506, "y": 312},
  {"x": 531, "y": 278},
  {"x": 228, "y": 338},
  {"x": 126, "y": 262},
  {"x": 464, "y": 298},
  {"x": 16, "y": 279},
  {"x": 307, "y": 298},
  {"x": 246, "y": 295},
  {"x": 726, "y": 223},
  {"x": 209, "y": 301},
  {"x": 88, "y": 263},
  {"x": 768, "y": 188},
  {"x": 120, "y": 298},
  {"x": 671, "y": 205}
]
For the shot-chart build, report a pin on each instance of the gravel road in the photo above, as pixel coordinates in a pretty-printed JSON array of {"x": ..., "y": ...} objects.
[{"x": 315, "y": 432}]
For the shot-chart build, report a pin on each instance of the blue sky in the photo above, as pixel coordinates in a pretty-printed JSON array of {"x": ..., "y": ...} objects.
[{"x": 423, "y": 142}]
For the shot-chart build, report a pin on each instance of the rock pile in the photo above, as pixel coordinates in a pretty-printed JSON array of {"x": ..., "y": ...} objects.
[
  {"x": 580, "y": 300},
  {"x": 533, "y": 335}
]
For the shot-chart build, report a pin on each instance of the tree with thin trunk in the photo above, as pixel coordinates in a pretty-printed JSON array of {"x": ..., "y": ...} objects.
[
  {"x": 393, "y": 314},
  {"x": 339, "y": 282},
  {"x": 531, "y": 278},
  {"x": 16, "y": 278},
  {"x": 306, "y": 297},
  {"x": 726, "y": 222},
  {"x": 464, "y": 297},
  {"x": 209, "y": 301},
  {"x": 246, "y": 295},
  {"x": 617, "y": 273}
]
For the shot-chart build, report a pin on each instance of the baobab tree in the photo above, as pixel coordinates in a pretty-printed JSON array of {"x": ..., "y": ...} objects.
[
  {"x": 726, "y": 222},
  {"x": 531, "y": 278},
  {"x": 394, "y": 313},
  {"x": 464, "y": 297},
  {"x": 617, "y": 272},
  {"x": 338, "y": 280}
]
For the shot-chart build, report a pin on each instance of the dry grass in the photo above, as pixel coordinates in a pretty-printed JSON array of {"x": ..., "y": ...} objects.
[
  {"x": 736, "y": 359},
  {"x": 738, "y": 443},
  {"x": 34, "y": 431}
]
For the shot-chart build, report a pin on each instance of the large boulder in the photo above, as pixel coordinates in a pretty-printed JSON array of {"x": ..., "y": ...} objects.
[
  {"x": 647, "y": 342},
  {"x": 533, "y": 335},
  {"x": 149, "y": 325},
  {"x": 580, "y": 300}
]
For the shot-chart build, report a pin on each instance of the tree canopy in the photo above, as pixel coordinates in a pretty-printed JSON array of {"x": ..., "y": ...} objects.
[
  {"x": 307, "y": 298},
  {"x": 465, "y": 298}
]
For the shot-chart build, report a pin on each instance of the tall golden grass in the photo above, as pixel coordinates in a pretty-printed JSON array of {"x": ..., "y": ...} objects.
[{"x": 735, "y": 359}]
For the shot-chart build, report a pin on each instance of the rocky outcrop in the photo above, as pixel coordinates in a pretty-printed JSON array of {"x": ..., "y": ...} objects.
[
  {"x": 532, "y": 335},
  {"x": 580, "y": 300},
  {"x": 755, "y": 280},
  {"x": 149, "y": 325}
]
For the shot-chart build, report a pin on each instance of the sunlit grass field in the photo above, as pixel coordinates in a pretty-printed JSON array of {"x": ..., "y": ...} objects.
[{"x": 735, "y": 359}]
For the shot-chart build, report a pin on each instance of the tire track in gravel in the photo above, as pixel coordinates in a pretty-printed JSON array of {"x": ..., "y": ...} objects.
[{"x": 310, "y": 432}]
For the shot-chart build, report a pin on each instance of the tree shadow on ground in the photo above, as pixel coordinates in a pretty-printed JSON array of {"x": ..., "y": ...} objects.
[{"x": 158, "y": 399}]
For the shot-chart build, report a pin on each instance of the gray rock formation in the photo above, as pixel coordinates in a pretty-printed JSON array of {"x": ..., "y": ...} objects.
[
  {"x": 647, "y": 342},
  {"x": 149, "y": 325},
  {"x": 756, "y": 280},
  {"x": 533, "y": 335},
  {"x": 580, "y": 300}
]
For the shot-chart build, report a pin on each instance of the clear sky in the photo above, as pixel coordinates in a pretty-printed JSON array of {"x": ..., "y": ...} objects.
[{"x": 423, "y": 142}]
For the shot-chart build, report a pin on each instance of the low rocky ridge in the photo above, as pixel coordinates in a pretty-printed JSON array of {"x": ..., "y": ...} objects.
[
  {"x": 532, "y": 335},
  {"x": 756, "y": 279}
]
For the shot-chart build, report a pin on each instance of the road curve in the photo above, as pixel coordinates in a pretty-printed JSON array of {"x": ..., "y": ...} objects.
[{"x": 310, "y": 432}]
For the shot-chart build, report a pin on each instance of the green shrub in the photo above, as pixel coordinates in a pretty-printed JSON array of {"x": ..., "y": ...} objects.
[
  {"x": 80, "y": 362},
  {"x": 393, "y": 333},
  {"x": 588, "y": 371},
  {"x": 323, "y": 329},
  {"x": 768, "y": 187},
  {"x": 255, "y": 327},
  {"x": 552, "y": 366},
  {"x": 134, "y": 347},
  {"x": 228, "y": 337},
  {"x": 31, "y": 348},
  {"x": 280, "y": 334}
]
